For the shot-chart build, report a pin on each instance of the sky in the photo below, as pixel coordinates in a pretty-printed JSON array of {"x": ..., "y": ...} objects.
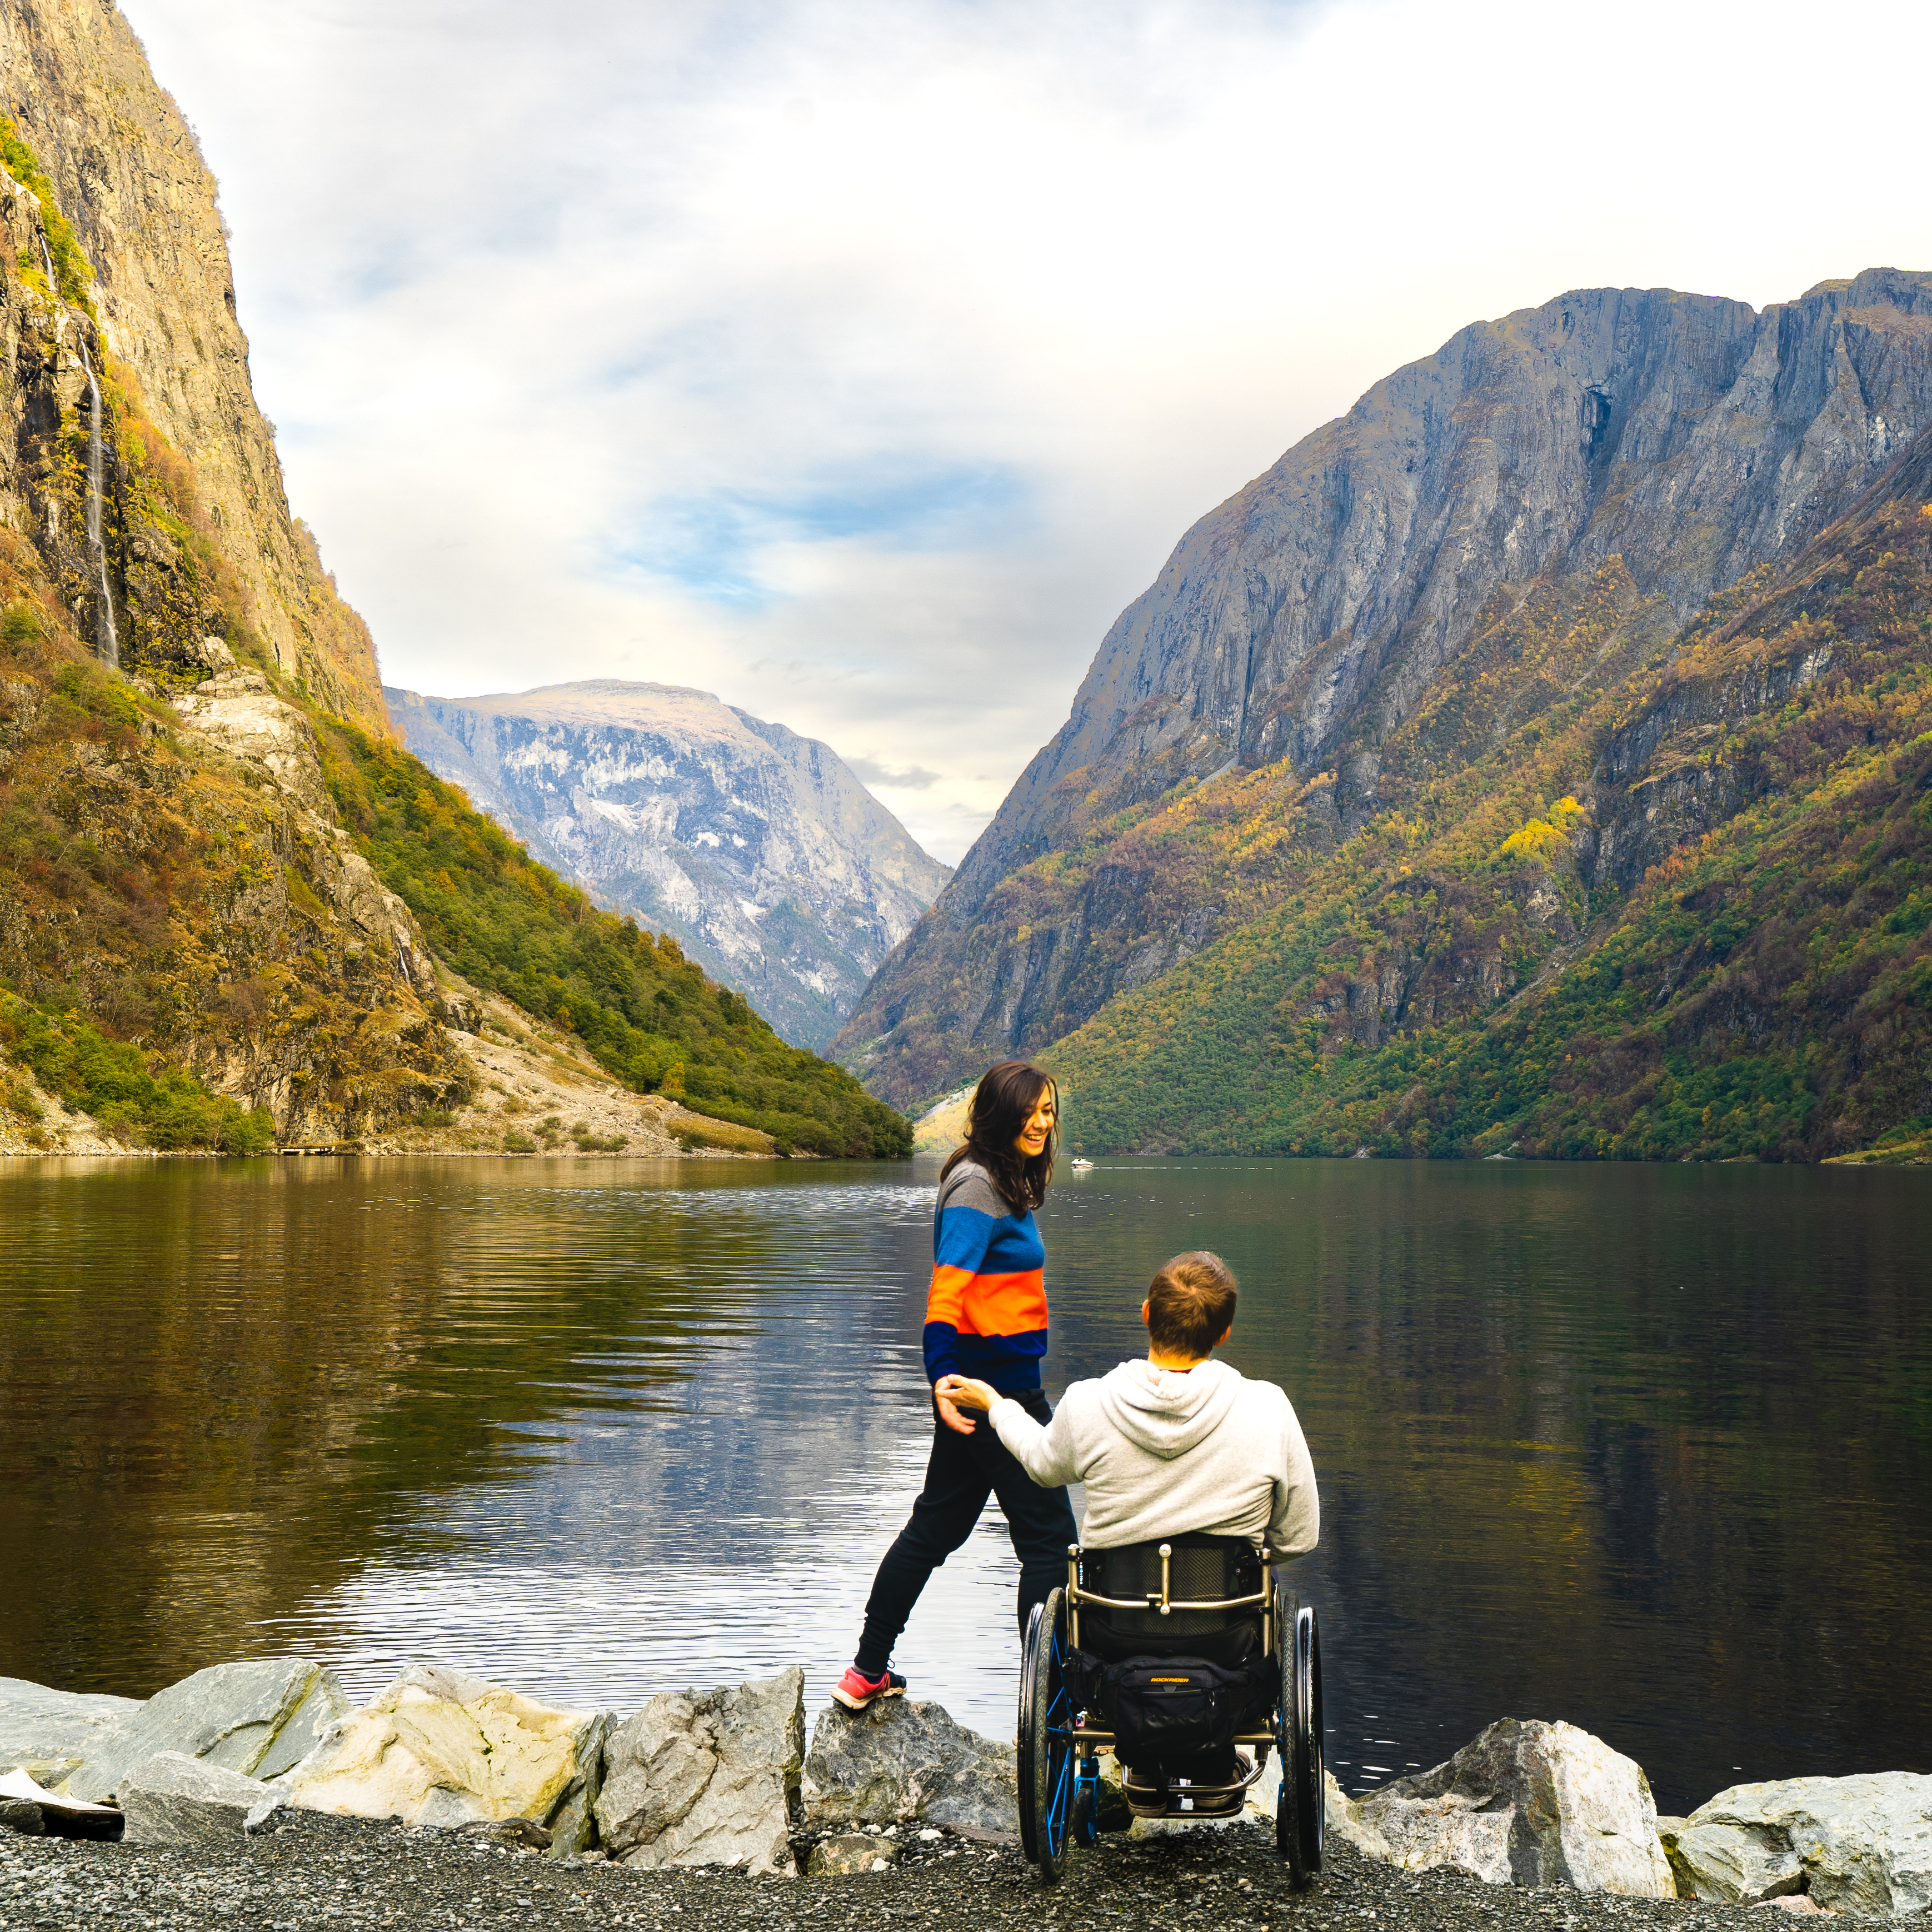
[{"x": 859, "y": 360}]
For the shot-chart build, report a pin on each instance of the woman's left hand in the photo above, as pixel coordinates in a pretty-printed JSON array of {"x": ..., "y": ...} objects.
[{"x": 964, "y": 1393}]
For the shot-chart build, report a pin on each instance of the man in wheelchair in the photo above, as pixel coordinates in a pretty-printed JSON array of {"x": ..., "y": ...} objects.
[{"x": 1174, "y": 1643}]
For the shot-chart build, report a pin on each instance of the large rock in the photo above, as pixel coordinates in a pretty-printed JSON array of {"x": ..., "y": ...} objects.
[
  {"x": 440, "y": 1747},
  {"x": 174, "y": 1799},
  {"x": 258, "y": 1718},
  {"x": 1861, "y": 1844},
  {"x": 898, "y": 1761},
  {"x": 1527, "y": 1803},
  {"x": 708, "y": 1780},
  {"x": 52, "y": 1733}
]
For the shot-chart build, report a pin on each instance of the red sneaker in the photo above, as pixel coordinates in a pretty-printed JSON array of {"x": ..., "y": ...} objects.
[{"x": 855, "y": 1692}]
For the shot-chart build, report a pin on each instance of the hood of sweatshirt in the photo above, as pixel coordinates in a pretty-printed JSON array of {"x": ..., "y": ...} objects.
[{"x": 1166, "y": 1412}]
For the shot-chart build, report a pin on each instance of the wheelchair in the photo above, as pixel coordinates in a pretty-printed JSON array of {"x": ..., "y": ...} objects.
[{"x": 1189, "y": 1659}]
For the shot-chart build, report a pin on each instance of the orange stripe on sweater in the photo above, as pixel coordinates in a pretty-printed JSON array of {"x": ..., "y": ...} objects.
[{"x": 988, "y": 1304}]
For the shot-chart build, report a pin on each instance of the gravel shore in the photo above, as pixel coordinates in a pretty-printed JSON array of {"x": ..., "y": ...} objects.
[{"x": 324, "y": 1871}]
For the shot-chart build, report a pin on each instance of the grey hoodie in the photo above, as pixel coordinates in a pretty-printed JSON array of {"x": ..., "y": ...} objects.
[{"x": 1164, "y": 1450}]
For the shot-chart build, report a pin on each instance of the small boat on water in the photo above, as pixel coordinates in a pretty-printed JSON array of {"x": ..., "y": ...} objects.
[{"x": 1079, "y": 1164}]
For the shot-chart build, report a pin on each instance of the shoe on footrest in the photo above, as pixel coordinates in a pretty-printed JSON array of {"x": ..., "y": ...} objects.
[{"x": 855, "y": 1692}]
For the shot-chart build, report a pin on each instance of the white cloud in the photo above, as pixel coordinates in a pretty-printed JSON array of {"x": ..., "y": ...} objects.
[{"x": 859, "y": 361}]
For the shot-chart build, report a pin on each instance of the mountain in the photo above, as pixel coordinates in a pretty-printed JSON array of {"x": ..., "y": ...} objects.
[
  {"x": 218, "y": 924},
  {"x": 1491, "y": 539},
  {"x": 1684, "y": 913},
  {"x": 775, "y": 867}
]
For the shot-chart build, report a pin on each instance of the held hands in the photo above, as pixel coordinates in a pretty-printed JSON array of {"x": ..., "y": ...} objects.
[{"x": 952, "y": 1393}]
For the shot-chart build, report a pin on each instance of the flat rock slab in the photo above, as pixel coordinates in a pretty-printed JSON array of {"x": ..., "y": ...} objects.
[
  {"x": 440, "y": 1747},
  {"x": 1861, "y": 1844},
  {"x": 51, "y": 1733},
  {"x": 899, "y": 1761},
  {"x": 173, "y": 1799},
  {"x": 258, "y": 1718},
  {"x": 707, "y": 1779},
  {"x": 1526, "y": 1803},
  {"x": 847, "y": 1853}
]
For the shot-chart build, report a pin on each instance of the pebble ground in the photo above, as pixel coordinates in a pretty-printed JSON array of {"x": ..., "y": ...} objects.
[{"x": 339, "y": 1873}]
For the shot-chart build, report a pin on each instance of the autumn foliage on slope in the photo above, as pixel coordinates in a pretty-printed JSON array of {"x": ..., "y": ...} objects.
[
  {"x": 1688, "y": 915},
  {"x": 649, "y": 1016}
]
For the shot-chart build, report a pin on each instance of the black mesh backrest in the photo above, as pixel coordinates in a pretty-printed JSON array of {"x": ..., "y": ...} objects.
[{"x": 1218, "y": 1567}]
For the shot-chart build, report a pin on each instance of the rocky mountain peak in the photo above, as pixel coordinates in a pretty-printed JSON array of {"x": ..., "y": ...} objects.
[
  {"x": 1626, "y": 451},
  {"x": 1690, "y": 435},
  {"x": 775, "y": 867}
]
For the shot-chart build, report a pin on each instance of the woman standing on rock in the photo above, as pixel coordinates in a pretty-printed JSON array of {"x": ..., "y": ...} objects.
[{"x": 985, "y": 1317}]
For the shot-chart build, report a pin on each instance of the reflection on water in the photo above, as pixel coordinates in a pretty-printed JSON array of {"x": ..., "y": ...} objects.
[{"x": 1645, "y": 1448}]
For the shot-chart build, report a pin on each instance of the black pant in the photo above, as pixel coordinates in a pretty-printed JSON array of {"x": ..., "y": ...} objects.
[{"x": 964, "y": 1471}]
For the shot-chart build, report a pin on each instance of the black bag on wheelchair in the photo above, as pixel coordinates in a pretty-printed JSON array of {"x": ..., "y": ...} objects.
[{"x": 1169, "y": 1707}]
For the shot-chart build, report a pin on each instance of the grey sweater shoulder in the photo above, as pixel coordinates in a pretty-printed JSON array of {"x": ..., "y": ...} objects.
[{"x": 969, "y": 1185}]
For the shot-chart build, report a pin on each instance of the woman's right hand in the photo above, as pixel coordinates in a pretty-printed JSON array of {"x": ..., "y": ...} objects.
[
  {"x": 958, "y": 1392},
  {"x": 949, "y": 1411}
]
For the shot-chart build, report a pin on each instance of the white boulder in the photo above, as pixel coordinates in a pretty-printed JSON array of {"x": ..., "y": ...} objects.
[
  {"x": 707, "y": 1779},
  {"x": 1526, "y": 1803},
  {"x": 1861, "y": 1844},
  {"x": 440, "y": 1747}
]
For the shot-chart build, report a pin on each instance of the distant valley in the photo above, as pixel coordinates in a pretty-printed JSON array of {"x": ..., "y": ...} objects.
[{"x": 776, "y": 869}]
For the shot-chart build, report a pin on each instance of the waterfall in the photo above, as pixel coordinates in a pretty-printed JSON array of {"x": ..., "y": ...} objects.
[
  {"x": 53, "y": 282},
  {"x": 106, "y": 643}
]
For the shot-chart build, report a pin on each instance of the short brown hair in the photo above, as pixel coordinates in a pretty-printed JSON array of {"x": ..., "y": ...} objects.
[{"x": 1190, "y": 1304}]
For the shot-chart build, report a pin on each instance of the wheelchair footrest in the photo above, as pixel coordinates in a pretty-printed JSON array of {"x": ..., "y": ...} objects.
[{"x": 1183, "y": 1798}]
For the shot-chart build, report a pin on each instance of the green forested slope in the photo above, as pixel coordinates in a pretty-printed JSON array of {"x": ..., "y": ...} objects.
[
  {"x": 1684, "y": 911},
  {"x": 649, "y": 1016}
]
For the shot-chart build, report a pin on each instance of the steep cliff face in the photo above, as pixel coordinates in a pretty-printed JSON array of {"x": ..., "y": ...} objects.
[
  {"x": 771, "y": 863},
  {"x": 1590, "y": 471},
  {"x": 125, "y": 170},
  {"x": 173, "y": 873},
  {"x": 1683, "y": 915}
]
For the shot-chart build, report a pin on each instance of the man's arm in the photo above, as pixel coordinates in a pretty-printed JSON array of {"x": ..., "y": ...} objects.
[
  {"x": 1046, "y": 1452},
  {"x": 1294, "y": 1527}
]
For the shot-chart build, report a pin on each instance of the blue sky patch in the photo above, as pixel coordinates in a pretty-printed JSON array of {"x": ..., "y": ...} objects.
[{"x": 709, "y": 543}]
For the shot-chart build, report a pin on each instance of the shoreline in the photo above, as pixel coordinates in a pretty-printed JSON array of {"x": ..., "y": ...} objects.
[{"x": 318, "y": 1869}]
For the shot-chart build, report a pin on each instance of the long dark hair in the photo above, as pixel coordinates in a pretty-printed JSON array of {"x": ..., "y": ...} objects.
[{"x": 1002, "y": 1104}]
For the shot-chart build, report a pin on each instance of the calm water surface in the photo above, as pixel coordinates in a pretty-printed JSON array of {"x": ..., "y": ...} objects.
[{"x": 1647, "y": 1448}]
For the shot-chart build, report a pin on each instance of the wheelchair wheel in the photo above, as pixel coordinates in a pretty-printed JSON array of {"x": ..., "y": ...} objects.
[
  {"x": 1301, "y": 1816},
  {"x": 1046, "y": 1761}
]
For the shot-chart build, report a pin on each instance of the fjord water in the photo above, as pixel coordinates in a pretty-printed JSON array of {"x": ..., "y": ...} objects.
[{"x": 1647, "y": 1448}]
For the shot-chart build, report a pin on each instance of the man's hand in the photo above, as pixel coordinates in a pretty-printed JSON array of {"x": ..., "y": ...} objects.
[{"x": 949, "y": 1413}]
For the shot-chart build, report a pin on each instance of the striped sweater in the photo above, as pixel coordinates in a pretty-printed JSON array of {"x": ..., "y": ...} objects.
[{"x": 985, "y": 1314}]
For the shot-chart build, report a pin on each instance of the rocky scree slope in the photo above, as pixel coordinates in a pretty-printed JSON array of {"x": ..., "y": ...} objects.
[
  {"x": 776, "y": 869},
  {"x": 1683, "y": 911},
  {"x": 1590, "y": 472}
]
